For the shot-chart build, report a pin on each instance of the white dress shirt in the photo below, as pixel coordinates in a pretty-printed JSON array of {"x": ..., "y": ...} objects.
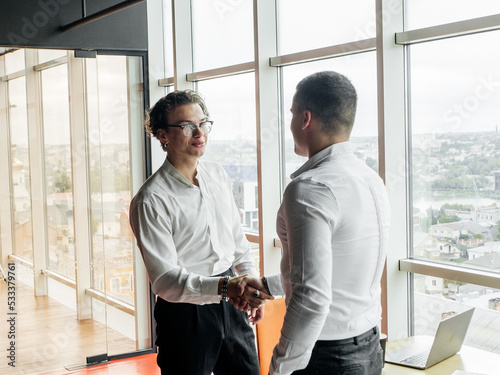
[
  {"x": 186, "y": 233},
  {"x": 333, "y": 225}
]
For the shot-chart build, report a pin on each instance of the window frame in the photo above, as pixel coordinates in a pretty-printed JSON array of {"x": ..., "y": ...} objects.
[{"x": 392, "y": 47}]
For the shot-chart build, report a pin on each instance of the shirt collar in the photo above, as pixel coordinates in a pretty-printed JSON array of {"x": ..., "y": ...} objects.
[
  {"x": 170, "y": 169},
  {"x": 330, "y": 151}
]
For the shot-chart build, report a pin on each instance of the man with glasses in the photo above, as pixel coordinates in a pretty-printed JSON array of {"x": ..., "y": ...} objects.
[{"x": 188, "y": 230}]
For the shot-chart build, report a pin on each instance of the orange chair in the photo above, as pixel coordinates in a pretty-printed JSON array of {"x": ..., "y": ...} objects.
[{"x": 268, "y": 332}]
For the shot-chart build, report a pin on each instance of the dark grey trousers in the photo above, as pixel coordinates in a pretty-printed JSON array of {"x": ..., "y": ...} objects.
[{"x": 360, "y": 355}]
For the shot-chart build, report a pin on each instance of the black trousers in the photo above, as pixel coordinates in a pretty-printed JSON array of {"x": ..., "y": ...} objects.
[
  {"x": 361, "y": 355},
  {"x": 201, "y": 339}
]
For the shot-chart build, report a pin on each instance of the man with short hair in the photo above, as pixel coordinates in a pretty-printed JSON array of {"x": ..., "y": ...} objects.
[
  {"x": 333, "y": 225},
  {"x": 188, "y": 230}
]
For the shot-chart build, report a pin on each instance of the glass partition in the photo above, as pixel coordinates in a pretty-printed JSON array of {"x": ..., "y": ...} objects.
[
  {"x": 77, "y": 267},
  {"x": 58, "y": 171},
  {"x": 20, "y": 164}
]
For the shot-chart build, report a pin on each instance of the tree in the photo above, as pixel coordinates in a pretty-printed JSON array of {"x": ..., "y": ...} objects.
[
  {"x": 62, "y": 182},
  {"x": 456, "y": 206},
  {"x": 449, "y": 219},
  {"x": 434, "y": 215},
  {"x": 372, "y": 163},
  {"x": 425, "y": 224}
]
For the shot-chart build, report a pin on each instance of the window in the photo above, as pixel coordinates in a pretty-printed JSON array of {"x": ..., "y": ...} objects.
[
  {"x": 425, "y": 13},
  {"x": 110, "y": 176},
  {"x": 232, "y": 141},
  {"x": 426, "y": 103},
  {"x": 454, "y": 154},
  {"x": 14, "y": 61},
  {"x": 361, "y": 70},
  {"x": 435, "y": 297},
  {"x": 20, "y": 169},
  {"x": 169, "y": 38},
  {"x": 58, "y": 171},
  {"x": 318, "y": 23},
  {"x": 45, "y": 55},
  {"x": 222, "y": 33},
  {"x": 456, "y": 146}
]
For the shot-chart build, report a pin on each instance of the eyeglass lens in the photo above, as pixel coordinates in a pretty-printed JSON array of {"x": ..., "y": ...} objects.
[{"x": 204, "y": 127}]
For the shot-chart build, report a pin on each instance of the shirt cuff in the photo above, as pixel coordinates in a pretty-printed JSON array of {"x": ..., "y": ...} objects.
[
  {"x": 275, "y": 285},
  {"x": 210, "y": 288}
]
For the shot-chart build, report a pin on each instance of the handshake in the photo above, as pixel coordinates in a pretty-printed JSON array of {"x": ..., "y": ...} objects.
[{"x": 249, "y": 293}]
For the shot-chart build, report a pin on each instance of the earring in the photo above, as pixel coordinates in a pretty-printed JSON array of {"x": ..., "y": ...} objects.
[{"x": 164, "y": 145}]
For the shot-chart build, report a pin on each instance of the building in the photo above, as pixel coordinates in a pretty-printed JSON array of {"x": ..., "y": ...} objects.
[{"x": 455, "y": 229}]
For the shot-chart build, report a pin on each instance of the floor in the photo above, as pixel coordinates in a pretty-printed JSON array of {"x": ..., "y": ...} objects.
[
  {"x": 49, "y": 336},
  {"x": 141, "y": 365}
]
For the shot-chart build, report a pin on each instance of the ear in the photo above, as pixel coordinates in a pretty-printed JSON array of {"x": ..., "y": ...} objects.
[
  {"x": 161, "y": 134},
  {"x": 307, "y": 119}
]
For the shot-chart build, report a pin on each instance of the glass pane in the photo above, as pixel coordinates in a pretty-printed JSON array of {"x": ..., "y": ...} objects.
[
  {"x": 58, "y": 171},
  {"x": 45, "y": 55},
  {"x": 305, "y": 25},
  {"x": 456, "y": 150},
  {"x": 222, "y": 33},
  {"x": 361, "y": 70},
  {"x": 436, "y": 298},
  {"x": 232, "y": 141},
  {"x": 110, "y": 176},
  {"x": 111, "y": 97},
  {"x": 23, "y": 236},
  {"x": 14, "y": 61},
  {"x": 426, "y": 13},
  {"x": 168, "y": 38}
]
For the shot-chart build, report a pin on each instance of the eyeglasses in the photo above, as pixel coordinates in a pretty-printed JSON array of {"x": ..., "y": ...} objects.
[{"x": 188, "y": 129}]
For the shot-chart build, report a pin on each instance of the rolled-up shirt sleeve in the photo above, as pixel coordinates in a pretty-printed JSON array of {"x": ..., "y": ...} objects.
[{"x": 305, "y": 229}]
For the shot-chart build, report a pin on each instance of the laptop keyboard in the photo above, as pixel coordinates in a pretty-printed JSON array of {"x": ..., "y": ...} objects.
[{"x": 418, "y": 359}]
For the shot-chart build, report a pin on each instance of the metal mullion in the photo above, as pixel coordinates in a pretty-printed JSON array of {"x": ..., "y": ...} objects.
[
  {"x": 365, "y": 45},
  {"x": 164, "y": 82},
  {"x": 449, "y": 30},
  {"x": 18, "y": 74},
  {"x": 51, "y": 64},
  {"x": 450, "y": 271},
  {"x": 247, "y": 67}
]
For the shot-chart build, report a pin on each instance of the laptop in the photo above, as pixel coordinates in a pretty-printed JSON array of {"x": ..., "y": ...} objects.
[{"x": 422, "y": 352}]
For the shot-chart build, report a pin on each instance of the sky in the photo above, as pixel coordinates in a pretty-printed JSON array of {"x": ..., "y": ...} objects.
[{"x": 454, "y": 83}]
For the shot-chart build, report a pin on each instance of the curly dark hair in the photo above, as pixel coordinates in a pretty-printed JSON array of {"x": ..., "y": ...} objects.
[{"x": 157, "y": 116}]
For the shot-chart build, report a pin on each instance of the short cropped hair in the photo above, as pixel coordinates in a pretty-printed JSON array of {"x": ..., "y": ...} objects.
[
  {"x": 331, "y": 97},
  {"x": 157, "y": 116}
]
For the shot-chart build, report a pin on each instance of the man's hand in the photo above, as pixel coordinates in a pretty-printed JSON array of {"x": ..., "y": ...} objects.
[
  {"x": 247, "y": 292},
  {"x": 256, "y": 315}
]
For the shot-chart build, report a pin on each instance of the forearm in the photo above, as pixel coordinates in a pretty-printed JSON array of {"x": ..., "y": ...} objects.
[{"x": 180, "y": 286}]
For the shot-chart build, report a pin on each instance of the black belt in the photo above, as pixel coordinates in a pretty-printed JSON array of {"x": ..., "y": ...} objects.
[
  {"x": 351, "y": 340},
  {"x": 229, "y": 272}
]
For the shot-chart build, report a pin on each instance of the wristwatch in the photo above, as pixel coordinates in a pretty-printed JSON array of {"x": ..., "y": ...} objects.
[{"x": 224, "y": 296}]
